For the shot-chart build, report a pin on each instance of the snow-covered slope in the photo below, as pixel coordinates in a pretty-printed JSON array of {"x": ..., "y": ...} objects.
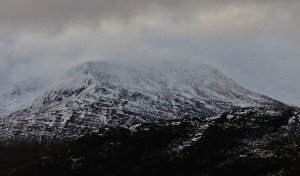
[
  {"x": 247, "y": 141},
  {"x": 103, "y": 93}
]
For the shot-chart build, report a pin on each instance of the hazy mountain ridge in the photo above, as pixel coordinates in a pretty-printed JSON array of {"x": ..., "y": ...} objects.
[{"x": 20, "y": 94}]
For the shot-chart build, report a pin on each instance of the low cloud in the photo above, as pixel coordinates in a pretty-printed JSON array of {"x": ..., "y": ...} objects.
[{"x": 255, "y": 42}]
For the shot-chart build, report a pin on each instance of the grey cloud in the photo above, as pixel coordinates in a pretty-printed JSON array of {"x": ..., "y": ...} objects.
[
  {"x": 48, "y": 15},
  {"x": 256, "y": 42}
]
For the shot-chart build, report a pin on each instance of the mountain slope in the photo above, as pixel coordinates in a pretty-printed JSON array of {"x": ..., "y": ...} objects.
[
  {"x": 246, "y": 141},
  {"x": 101, "y": 93}
]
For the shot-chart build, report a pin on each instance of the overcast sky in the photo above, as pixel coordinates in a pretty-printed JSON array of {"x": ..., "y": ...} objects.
[{"x": 255, "y": 42}]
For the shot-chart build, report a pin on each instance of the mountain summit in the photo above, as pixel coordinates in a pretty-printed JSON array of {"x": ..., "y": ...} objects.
[{"x": 94, "y": 94}]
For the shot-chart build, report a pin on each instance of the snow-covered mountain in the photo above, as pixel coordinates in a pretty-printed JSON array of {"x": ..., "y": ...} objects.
[{"x": 105, "y": 93}]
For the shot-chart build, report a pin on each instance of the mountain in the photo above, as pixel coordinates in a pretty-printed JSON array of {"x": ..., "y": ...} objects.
[
  {"x": 163, "y": 118},
  {"x": 97, "y": 94}
]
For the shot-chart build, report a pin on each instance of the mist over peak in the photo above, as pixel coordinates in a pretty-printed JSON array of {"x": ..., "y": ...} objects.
[{"x": 256, "y": 43}]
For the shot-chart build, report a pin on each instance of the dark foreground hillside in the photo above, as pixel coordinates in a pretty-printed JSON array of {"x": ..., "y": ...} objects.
[{"x": 262, "y": 141}]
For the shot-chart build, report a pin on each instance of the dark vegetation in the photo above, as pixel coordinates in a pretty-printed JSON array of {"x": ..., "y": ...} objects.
[{"x": 237, "y": 143}]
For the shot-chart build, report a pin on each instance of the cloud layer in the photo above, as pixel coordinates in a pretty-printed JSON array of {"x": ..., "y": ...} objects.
[{"x": 256, "y": 42}]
